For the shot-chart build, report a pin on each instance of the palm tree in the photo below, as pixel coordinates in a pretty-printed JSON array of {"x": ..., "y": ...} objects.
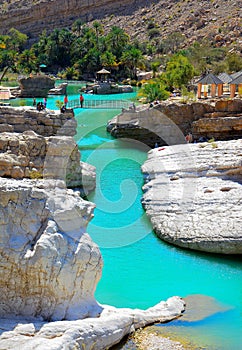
[
  {"x": 77, "y": 26},
  {"x": 117, "y": 40},
  {"x": 132, "y": 58},
  {"x": 98, "y": 29}
]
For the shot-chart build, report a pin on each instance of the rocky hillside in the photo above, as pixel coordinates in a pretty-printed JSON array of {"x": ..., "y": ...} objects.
[{"x": 219, "y": 21}]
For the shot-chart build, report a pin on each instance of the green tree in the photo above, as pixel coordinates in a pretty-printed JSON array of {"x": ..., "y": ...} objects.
[
  {"x": 77, "y": 26},
  {"x": 98, "y": 31},
  {"x": 108, "y": 59},
  {"x": 178, "y": 71},
  {"x": 234, "y": 62},
  {"x": 154, "y": 90},
  {"x": 27, "y": 61},
  {"x": 132, "y": 58},
  {"x": 155, "y": 67},
  {"x": 117, "y": 41},
  {"x": 16, "y": 40},
  {"x": 173, "y": 42}
]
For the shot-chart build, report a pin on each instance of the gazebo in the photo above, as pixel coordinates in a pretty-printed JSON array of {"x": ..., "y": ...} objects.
[
  {"x": 103, "y": 74},
  {"x": 237, "y": 81},
  {"x": 204, "y": 82}
]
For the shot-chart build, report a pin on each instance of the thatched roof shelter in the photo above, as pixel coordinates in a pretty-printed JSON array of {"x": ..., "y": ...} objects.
[
  {"x": 102, "y": 75},
  {"x": 103, "y": 71}
]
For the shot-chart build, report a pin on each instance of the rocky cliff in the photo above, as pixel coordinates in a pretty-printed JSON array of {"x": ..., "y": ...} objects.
[
  {"x": 218, "y": 21},
  {"x": 193, "y": 195}
]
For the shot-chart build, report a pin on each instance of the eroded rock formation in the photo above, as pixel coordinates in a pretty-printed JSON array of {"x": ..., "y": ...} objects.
[
  {"x": 49, "y": 265},
  {"x": 36, "y": 86},
  {"x": 166, "y": 123},
  {"x": 193, "y": 195}
]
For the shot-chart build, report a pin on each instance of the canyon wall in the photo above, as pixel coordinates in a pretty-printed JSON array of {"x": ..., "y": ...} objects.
[{"x": 34, "y": 18}]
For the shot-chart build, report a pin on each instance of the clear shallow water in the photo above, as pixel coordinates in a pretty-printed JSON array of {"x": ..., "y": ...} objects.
[{"x": 139, "y": 269}]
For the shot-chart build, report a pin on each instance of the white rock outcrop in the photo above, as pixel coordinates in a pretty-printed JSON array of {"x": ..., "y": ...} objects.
[
  {"x": 193, "y": 195},
  {"x": 49, "y": 270},
  {"x": 90, "y": 333},
  {"x": 49, "y": 265}
]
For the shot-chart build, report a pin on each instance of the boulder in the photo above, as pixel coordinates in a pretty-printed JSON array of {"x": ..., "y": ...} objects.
[
  {"x": 193, "y": 193},
  {"x": 36, "y": 86}
]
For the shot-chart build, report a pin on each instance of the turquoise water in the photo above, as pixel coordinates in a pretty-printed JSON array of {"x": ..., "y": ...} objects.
[{"x": 139, "y": 269}]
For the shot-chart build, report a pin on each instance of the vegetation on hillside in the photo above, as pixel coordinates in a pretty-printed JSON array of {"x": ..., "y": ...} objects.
[{"x": 79, "y": 52}]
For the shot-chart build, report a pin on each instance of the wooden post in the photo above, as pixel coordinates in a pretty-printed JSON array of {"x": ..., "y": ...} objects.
[
  {"x": 240, "y": 90},
  {"x": 220, "y": 90},
  {"x": 232, "y": 90},
  {"x": 199, "y": 90},
  {"x": 213, "y": 90},
  {"x": 205, "y": 91}
]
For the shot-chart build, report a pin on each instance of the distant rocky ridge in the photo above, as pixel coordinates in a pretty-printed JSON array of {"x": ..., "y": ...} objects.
[{"x": 218, "y": 21}]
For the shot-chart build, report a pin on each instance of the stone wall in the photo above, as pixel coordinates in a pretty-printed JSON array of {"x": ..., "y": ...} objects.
[
  {"x": 45, "y": 123},
  {"x": 40, "y": 145},
  {"x": 29, "y": 155}
]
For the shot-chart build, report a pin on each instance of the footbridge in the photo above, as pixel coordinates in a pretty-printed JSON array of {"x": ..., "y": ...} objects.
[{"x": 101, "y": 104}]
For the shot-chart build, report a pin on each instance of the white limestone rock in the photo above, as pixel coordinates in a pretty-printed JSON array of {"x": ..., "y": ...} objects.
[
  {"x": 90, "y": 333},
  {"x": 193, "y": 195},
  {"x": 49, "y": 264}
]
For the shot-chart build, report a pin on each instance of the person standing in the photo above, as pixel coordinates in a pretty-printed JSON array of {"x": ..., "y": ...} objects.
[
  {"x": 81, "y": 100},
  {"x": 65, "y": 100},
  {"x": 45, "y": 102}
]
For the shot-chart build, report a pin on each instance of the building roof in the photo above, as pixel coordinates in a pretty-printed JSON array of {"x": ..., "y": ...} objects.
[
  {"x": 210, "y": 79},
  {"x": 226, "y": 78},
  {"x": 235, "y": 75},
  {"x": 237, "y": 80},
  {"x": 103, "y": 71}
]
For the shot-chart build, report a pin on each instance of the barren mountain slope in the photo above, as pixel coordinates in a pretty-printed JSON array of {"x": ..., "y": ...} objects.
[{"x": 219, "y": 21}]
